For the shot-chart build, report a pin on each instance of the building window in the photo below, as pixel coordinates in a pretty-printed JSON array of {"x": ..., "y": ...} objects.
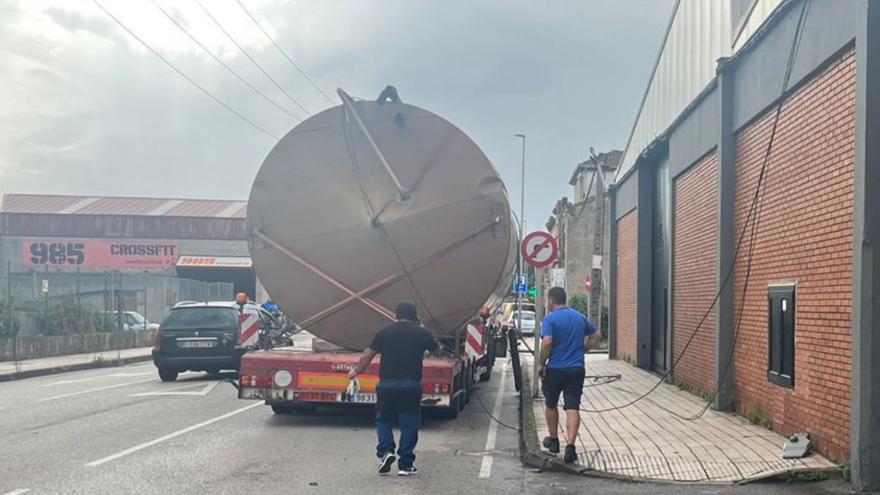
[{"x": 780, "y": 325}]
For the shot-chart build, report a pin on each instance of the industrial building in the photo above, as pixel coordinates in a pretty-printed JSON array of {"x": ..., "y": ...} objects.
[
  {"x": 745, "y": 214},
  {"x": 143, "y": 254}
]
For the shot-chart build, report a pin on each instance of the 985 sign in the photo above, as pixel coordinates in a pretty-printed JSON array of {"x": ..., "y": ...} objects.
[
  {"x": 75, "y": 253},
  {"x": 57, "y": 253}
]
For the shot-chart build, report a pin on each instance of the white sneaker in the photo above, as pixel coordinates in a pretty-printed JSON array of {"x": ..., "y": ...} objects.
[
  {"x": 385, "y": 463},
  {"x": 411, "y": 471}
]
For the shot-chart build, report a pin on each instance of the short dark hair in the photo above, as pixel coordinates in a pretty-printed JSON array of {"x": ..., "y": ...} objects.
[
  {"x": 557, "y": 295},
  {"x": 406, "y": 310}
]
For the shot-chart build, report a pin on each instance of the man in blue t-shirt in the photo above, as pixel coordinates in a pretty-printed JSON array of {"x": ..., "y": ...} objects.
[{"x": 562, "y": 370}]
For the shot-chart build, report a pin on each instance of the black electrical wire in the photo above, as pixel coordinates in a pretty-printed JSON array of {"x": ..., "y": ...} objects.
[
  {"x": 754, "y": 208},
  {"x": 221, "y": 62},
  {"x": 183, "y": 74},
  {"x": 280, "y": 50},
  {"x": 249, "y": 57},
  {"x": 492, "y": 416}
]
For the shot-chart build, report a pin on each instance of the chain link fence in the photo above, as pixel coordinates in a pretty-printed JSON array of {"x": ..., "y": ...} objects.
[{"x": 43, "y": 303}]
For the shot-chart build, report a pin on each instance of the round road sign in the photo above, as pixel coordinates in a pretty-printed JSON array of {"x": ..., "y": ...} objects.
[{"x": 539, "y": 249}]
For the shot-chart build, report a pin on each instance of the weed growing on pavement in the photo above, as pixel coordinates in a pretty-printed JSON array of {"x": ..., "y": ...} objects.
[
  {"x": 705, "y": 396},
  {"x": 756, "y": 417}
]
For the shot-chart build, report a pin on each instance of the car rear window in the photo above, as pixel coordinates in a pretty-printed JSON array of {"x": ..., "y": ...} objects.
[{"x": 201, "y": 317}]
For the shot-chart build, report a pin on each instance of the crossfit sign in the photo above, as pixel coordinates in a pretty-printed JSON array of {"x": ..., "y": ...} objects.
[
  {"x": 539, "y": 249},
  {"x": 65, "y": 253}
]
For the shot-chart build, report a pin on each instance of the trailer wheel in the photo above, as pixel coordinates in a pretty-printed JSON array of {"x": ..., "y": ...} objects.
[
  {"x": 452, "y": 411},
  {"x": 468, "y": 383},
  {"x": 487, "y": 375},
  {"x": 514, "y": 358}
]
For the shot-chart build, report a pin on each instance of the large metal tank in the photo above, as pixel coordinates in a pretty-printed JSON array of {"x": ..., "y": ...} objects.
[{"x": 337, "y": 244}]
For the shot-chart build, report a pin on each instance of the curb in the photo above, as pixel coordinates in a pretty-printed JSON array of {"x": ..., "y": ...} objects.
[
  {"x": 103, "y": 363},
  {"x": 532, "y": 456}
]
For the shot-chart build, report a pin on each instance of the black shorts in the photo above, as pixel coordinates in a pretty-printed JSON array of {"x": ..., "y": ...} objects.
[{"x": 567, "y": 381}]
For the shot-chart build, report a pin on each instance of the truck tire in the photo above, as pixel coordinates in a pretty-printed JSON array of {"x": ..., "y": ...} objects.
[
  {"x": 468, "y": 384},
  {"x": 452, "y": 411},
  {"x": 487, "y": 375},
  {"x": 167, "y": 375}
]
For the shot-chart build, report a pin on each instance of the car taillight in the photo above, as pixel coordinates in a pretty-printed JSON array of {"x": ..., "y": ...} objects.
[{"x": 157, "y": 339}]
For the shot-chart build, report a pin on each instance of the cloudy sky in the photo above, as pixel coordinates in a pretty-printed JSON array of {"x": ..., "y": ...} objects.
[{"x": 86, "y": 109}]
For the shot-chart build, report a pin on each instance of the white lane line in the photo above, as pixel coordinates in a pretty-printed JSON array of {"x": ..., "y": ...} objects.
[
  {"x": 492, "y": 436},
  {"x": 169, "y": 436},
  {"x": 177, "y": 391},
  {"x": 93, "y": 378},
  {"x": 18, "y": 492},
  {"x": 97, "y": 389}
]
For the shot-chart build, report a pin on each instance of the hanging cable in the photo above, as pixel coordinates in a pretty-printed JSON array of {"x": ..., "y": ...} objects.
[
  {"x": 221, "y": 62},
  {"x": 183, "y": 75},
  {"x": 754, "y": 209},
  {"x": 280, "y": 50},
  {"x": 249, "y": 57}
]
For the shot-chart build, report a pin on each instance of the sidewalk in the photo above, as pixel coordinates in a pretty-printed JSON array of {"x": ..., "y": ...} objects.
[
  {"x": 12, "y": 370},
  {"x": 647, "y": 441}
]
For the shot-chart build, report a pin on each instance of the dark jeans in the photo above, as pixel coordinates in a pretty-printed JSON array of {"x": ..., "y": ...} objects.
[{"x": 400, "y": 400}]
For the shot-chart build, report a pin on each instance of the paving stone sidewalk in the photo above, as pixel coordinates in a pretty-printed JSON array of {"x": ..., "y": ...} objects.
[{"x": 652, "y": 439}]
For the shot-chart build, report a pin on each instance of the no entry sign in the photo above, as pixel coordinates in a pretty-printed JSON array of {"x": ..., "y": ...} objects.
[{"x": 539, "y": 249}]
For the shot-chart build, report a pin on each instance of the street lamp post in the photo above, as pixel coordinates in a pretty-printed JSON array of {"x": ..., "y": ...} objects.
[{"x": 522, "y": 214}]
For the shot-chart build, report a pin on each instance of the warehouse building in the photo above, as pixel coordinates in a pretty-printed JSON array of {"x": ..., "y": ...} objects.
[
  {"x": 744, "y": 215},
  {"x": 144, "y": 254}
]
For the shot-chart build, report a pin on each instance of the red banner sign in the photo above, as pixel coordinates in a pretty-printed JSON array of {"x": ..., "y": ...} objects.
[{"x": 140, "y": 255}]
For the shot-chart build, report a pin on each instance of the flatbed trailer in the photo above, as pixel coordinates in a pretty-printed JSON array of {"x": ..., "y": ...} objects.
[{"x": 294, "y": 380}]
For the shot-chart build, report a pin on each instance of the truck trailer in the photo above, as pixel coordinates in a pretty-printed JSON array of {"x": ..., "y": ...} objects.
[{"x": 362, "y": 206}]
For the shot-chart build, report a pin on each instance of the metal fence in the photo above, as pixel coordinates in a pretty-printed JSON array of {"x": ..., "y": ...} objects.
[{"x": 62, "y": 303}]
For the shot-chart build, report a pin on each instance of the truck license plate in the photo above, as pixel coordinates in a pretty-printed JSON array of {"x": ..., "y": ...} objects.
[
  {"x": 198, "y": 344},
  {"x": 364, "y": 398}
]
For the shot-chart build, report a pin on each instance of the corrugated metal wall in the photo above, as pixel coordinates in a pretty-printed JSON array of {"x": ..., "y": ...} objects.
[{"x": 700, "y": 32}]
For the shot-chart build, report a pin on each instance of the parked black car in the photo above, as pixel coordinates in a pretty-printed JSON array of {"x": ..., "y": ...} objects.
[{"x": 203, "y": 336}]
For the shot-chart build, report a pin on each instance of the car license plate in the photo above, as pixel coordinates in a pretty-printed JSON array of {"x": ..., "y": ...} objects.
[
  {"x": 196, "y": 344},
  {"x": 364, "y": 398}
]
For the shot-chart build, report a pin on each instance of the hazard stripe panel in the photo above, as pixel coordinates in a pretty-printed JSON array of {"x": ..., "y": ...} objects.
[{"x": 250, "y": 329}]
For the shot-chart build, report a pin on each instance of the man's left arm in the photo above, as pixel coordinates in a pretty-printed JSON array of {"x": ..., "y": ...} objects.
[
  {"x": 364, "y": 362},
  {"x": 594, "y": 336},
  {"x": 546, "y": 346}
]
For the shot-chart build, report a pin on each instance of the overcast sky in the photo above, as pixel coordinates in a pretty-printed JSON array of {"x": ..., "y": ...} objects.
[{"x": 88, "y": 110}]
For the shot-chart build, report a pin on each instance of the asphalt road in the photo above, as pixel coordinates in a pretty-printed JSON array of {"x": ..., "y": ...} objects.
[{"x": 121, "y": 430}]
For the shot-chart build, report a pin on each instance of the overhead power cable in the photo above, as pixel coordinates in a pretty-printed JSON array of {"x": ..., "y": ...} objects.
[
  {"x": 222, "y": 63},
  {"x": 280, "y": 50},
  {"x": 183, "y": 75},
  {"x": 249, "y": 57}
]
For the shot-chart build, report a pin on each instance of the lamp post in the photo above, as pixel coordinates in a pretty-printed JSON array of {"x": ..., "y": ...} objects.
[{"x": 522, "y": 213}]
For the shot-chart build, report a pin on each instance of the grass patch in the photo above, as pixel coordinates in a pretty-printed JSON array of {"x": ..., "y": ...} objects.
[
  {"x": 705, "y": 396},
  {"x": 756, "y": 417}
]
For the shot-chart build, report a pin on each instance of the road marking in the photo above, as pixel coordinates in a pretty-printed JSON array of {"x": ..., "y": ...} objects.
[
  {"x": 93, "y": 378},
  {"x": 492, "y": 436},
  {"x": 97, "y": 389},
  {"x": 176, "y": 391},
  {"x": 18, "y": 492},
  {"x": 169, "y": 436}
]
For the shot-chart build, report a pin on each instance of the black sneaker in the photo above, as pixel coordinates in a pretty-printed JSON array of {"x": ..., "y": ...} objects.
[
  {"x": 551, "y": 444},
  {"x": 410, "y": 471},
  {"x": 385, "y": 463},
  {"x": 570, "y": 455}
]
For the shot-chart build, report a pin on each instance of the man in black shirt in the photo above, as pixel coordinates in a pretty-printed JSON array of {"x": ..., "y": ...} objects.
[{"x": 399, "y": 392}]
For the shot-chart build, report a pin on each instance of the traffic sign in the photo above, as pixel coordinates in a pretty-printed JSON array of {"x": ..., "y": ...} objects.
[
  {"x": 520, "y": 284},
  {"x": 539, "y": 249}
]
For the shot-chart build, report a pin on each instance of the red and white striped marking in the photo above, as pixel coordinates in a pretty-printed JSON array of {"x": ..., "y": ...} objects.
[
  {"x": 474, "y": 341},
  {"x": 249, "y": 331}
]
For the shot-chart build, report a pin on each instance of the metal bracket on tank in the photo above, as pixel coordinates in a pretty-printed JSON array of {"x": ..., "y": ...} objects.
[{"x": 350, "y": 110}]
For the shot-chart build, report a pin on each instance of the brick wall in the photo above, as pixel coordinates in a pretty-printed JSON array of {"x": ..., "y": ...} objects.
[
  {"x": 694, "y": 278},
  {"x": 627, "y": 243},
  {"x": 804, "y": 236}
]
